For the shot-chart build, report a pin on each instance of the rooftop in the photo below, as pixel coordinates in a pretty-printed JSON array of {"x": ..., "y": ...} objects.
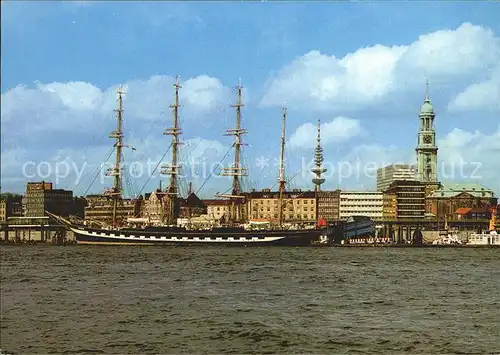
[{"x": 454, "y": 189}]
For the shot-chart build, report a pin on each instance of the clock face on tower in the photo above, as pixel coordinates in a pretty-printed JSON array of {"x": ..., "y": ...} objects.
[{"x": 427, "y": 139}]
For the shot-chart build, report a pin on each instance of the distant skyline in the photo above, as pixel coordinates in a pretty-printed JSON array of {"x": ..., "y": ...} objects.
[{"x": 358, "y": 67}]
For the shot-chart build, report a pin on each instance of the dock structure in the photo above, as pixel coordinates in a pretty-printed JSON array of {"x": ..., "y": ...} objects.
[
  {"x": 402, "y": 230},
  {"x": 33, "y": 230}
]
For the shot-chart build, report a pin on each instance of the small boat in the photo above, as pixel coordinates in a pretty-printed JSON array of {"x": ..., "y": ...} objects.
[
  {"x": 487, "y": 238},
  {"x": 448, "y": 239}
]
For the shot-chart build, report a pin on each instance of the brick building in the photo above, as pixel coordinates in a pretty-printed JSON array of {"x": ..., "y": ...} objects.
[
  {"x": 41, "y": 197},
  {"x": 10, "y": 206},
  {"x": 298, "y": 206},
  {"x": 328, "y": 205},
  {"x": 447, "y": 200},
  {"x": 100, "y": 209}
]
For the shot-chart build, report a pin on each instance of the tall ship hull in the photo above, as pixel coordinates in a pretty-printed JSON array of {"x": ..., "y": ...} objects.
[{"x": 161, "y": 236}]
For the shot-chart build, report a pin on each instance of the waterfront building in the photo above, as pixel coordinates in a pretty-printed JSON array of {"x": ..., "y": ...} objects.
[
  {"x": 361, "y": 203},
  {"x": 192, "y": 206},
  {"x": 154, "y": 206},
  {"x": 389, "y": 206},
  {"x": 426, "y": 146},
  {"x": 298, "y": 205},
  {"x": 328, "y": 205},
  {"x": 390, "y": 173},
  {"x": 217, "y": 209},
  {"x": 41, "y": 197},
  {"x": 410, "y": 199},
  {"x": 445, "y": 201},
  {"x": 10, "y": 206},
  {"x": 99, "y": 209},
  {"x": 472, "y": 213},
  {"x": 79, "y": 204}
]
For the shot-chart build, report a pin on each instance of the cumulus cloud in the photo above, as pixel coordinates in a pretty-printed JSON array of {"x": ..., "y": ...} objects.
[
  {"x": 338, "y": 130},
  {"x": 70, "y": 122},
  {"x": 59, "y": 105},
  {"x": 484, "y": 95},
  {"x": 470, "y": 156},
  {"x": 369, "y": 75}
]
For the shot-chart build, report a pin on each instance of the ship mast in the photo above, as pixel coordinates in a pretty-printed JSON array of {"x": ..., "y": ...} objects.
[
  {"x": 116, "y": 171},
  {"x": 173, "y": 168},
  {"x": 281, "y": 180},
  {"x": 236, "y": 170}
]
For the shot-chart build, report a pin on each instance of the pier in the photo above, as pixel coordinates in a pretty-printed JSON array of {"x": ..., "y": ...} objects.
[{"x": 32, "y": 230}]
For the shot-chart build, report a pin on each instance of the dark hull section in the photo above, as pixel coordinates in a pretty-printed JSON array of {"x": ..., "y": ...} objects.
[
  {"x": 217, "y": 238},
  {"x": 358, "y": 226}
]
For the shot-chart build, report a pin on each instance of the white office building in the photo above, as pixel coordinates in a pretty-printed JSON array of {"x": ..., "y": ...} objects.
[
  {"x": 388, "y": 174},
  {"x": 361, "y": 203}
]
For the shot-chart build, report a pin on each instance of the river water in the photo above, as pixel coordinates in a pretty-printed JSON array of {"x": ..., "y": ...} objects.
[{"x": 79, "y": 299}]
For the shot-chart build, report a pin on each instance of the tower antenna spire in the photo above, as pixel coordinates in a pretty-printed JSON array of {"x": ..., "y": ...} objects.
[
  {"x": 318, "y": 160},
  {"x": 173, "y": 168},
  {"x": 427, "y": 98}
]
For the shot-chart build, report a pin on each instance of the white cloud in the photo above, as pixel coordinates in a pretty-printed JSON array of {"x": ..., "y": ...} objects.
[
  {"x": 72, "y": 121},
  {"x": 370, "y": 74},
  {"x": 205, "y": 93},
  {"x": 59, "y": 105},
  {"x": 470, "y": 156},
  {"x": 471, "y": 145},
  {"x": 484, "y": 95},
  {"x": 338, "y": 130}
]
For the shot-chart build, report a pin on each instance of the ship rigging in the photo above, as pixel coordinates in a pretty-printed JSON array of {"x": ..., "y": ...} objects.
[{"x": 168, "y": 233}]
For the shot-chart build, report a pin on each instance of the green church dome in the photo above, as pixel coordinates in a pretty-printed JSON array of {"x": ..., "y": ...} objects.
[{"x": 427, "y": 108}]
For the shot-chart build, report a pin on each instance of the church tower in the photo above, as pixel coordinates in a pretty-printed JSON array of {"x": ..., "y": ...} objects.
[{"x": 426, "y": 147}]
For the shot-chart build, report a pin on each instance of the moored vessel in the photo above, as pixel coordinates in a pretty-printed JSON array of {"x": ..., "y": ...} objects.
[
  {"x": 487, "y": 238},
  {"x": 168, "y": 233}
]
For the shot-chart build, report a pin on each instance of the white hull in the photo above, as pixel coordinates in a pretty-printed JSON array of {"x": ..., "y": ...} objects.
[{"x": 484, "y": 239}]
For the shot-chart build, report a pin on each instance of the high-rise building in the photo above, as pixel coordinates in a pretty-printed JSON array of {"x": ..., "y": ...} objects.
[
  {"x": 361, "y": 203},
  {"x": 410, "y": 199},
  {"x": 426, "y": 147},
  {"x": 328, "y": 205},
  {"x": 390, "y": 206},
  {"x": 41, "y": 197},
  {"x": 390, "y": 173}
]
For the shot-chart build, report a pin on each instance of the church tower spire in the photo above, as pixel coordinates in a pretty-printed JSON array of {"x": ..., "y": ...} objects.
[
  {"x": 426, "y": 146},
  {"x": 318, "y": 161}
]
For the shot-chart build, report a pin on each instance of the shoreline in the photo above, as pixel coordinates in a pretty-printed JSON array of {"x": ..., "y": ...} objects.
[{"x": 374, "y": 245}]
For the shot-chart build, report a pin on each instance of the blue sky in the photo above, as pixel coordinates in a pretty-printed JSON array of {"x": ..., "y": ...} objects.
[{"x": 359, "y": 67}]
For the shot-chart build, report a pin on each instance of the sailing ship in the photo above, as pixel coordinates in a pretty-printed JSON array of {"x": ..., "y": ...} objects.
[{"x": 169, "y": 233}]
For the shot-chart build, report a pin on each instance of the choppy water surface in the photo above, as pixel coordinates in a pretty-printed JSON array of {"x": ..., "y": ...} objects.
[{"x": 249, "y": 300}]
